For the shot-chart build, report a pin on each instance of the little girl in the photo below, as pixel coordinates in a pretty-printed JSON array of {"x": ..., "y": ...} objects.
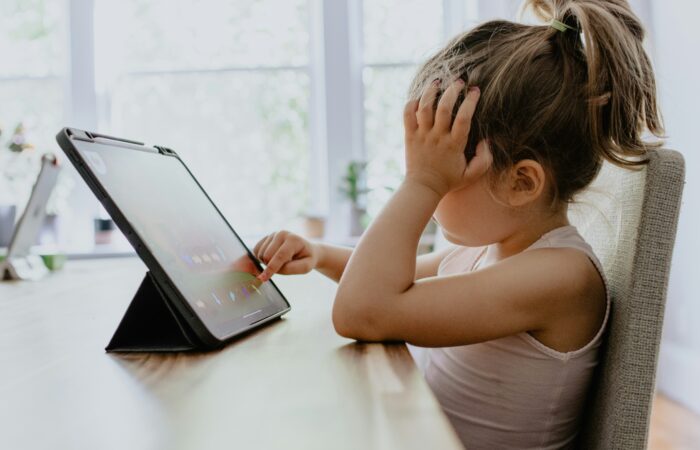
[{"x": 504, "y": 126}]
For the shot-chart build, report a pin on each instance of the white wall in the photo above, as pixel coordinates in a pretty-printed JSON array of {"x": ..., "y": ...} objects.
[{"x": 676, "y": 40}]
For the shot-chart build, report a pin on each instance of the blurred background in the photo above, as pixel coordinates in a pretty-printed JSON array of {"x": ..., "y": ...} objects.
[{"x": 288, "y": 112}]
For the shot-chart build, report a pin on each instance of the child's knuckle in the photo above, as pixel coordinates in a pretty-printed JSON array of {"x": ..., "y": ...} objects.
[
  {"x": 442, "y": 111},
  {"x": 425, "y": 108},
  {"x": 462, "y": 119}
]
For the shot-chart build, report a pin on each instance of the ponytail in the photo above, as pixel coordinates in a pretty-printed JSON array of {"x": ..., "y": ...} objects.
[{"x": 620, "y": 87}]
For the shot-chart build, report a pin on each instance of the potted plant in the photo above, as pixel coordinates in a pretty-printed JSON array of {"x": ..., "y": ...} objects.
[{"x": 354, "y": 188}]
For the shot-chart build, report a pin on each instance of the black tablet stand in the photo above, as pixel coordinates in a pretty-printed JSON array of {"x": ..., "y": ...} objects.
[{"x": 151, "y": 325}]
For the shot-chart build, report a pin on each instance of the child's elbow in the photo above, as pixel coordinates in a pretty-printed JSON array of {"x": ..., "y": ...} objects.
[
  {"x": 344, "y": 328},
  {"x": 354, "y": 323},
  {"x": 345, "y": 319}
]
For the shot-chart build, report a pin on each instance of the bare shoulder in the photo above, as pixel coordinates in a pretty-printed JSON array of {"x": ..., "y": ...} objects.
[{"x": 578, "y": 301}]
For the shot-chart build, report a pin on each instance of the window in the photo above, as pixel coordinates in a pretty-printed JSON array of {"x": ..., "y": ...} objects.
[
  {"x": 226, "y": 85},
  {"x": 393, "y": 49},
  {"x": 265, "y": 116},
  {"x": 31, "y": 87}
]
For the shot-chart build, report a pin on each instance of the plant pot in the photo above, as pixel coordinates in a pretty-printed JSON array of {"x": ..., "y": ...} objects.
[
  {"x": 8, "y": 213},
  {"x": 104, "y": 231},
  {"x": 314, "y": 227}
]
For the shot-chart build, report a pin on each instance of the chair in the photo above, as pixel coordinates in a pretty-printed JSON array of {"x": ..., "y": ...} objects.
[{"x": 630, "y": 218}]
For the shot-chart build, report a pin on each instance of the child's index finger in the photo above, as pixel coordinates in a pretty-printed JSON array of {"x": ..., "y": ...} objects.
[{"x": 463, "y": 119}]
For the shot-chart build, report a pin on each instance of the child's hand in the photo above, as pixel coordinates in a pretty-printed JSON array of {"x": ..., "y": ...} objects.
[
  {"x": 286, "y": 253},
  {"x": 434, "y": 150}
]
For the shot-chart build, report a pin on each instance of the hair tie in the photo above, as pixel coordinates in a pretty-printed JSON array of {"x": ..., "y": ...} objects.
[{"x": 561, "y": 26}]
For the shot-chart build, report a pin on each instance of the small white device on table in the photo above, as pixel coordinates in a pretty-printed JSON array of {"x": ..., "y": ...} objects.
[{"x": 20, "y": 263}]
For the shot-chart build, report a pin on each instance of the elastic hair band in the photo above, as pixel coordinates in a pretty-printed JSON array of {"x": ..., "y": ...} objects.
[{"x": 561, "y": 26}]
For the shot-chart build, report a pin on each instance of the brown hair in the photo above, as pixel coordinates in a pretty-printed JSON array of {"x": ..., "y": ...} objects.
[{"x": 567, "y": 99}]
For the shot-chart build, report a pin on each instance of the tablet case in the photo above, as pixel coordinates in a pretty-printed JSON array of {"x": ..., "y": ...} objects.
[
  {"x": 151, "y": 325},
  {"x": 154, "y": 320}
]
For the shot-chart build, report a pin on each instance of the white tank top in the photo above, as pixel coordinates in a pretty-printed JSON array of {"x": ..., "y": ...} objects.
[{"x": 513, "y": 392}]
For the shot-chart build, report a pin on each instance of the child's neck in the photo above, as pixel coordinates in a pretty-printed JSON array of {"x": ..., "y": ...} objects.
[{"x": 523, "y": 237}]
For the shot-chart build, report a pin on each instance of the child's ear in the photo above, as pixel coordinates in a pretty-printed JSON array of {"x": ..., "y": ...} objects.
[{"x": 527, "y": 182}]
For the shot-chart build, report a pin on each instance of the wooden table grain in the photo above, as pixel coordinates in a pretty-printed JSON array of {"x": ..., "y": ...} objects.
[{"x": 294, "y": 384}]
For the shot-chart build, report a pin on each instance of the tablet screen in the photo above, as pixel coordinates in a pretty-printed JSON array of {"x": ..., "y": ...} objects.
[{"x": 185, "y": 233}]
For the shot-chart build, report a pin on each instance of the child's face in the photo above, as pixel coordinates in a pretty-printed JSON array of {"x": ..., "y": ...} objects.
[{"x": 472, "y": 217}]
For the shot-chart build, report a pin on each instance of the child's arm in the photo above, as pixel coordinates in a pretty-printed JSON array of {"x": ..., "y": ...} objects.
[
  {"x": 378, "y": 297},
  {"x": 549, "y": 291},
  {"x": 287, "y": 253},
  {"x": 332, "y": 260}
]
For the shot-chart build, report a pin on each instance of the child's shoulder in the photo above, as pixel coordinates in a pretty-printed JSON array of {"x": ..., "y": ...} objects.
[
  {"x": 570, "y": 241},
  {"x": 574, "y": 294}
]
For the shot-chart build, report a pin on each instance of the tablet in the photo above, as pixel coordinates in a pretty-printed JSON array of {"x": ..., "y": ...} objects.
[
  {"x": 20, "y": 263},
  {"x": 204, "y": 268}
]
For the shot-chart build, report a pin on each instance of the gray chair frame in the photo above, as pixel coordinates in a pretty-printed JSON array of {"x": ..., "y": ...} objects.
[{"x": 632, "y": 230}]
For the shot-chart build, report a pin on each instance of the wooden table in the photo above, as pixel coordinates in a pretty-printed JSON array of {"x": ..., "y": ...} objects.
[{"x": 294, "y": 384}]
